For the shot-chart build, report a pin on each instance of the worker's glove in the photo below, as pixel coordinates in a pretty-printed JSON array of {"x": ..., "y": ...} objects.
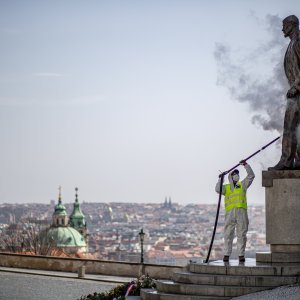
[
  {"x": 222, "y": 174},
  {"x": 243, "y": 162}
]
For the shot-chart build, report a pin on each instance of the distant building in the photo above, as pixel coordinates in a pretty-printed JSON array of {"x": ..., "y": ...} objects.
[
  {"x": 167, "y": 204},
  {"x": 170, "y": 203},
  {"x": 108, "y": 214},
  {"x": 77, "y": 218},
  {"x": 66, "y": 234}
]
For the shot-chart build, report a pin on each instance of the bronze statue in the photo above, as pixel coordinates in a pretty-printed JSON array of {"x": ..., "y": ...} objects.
[{"x": 290, "y": 158}]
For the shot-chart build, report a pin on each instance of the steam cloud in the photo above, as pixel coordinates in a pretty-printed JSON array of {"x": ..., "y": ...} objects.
[{"x": 265, "y": 94}]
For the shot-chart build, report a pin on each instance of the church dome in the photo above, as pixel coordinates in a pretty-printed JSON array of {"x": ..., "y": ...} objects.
[
  {"x": 60, "y": 209},
  {"x": 61, "y": 234},
  {"x": 63, "y": 237}
]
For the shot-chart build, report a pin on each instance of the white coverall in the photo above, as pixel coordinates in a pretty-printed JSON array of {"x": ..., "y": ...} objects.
[{"x": 236, "y": 217}]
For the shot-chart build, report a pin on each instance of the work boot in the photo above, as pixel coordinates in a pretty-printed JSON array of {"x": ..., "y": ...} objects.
[
  {"x": 296, "y": 165},
  {"x": 279, "y": 167},
  {"x": 241, "y": 258},
  {"x": 226, "y": 258}
]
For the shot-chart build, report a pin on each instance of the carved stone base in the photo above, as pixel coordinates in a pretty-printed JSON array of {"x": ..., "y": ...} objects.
[
  {"x": 278, "y": 257},
  {"x": 282, "y": 216}
]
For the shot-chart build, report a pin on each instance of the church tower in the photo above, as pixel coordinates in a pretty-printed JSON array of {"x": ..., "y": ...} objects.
[
  {"x": 59, "y": 217},
  {"x": 77, "y": 218}
]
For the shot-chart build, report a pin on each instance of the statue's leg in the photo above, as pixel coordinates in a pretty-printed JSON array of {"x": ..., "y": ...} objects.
[
  {"x": 289, "y": 141},
  {"x": 297, "y": 136}
]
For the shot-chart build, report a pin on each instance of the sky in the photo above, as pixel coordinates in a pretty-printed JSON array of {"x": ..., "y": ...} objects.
[{"x": 135, "y": 101}]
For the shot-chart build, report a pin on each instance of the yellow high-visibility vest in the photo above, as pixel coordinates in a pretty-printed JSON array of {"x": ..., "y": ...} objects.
[{"x": 236, "y": 198}]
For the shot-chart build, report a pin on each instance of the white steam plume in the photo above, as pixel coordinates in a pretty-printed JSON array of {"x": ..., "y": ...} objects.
[{"x": 263, "y": 90}]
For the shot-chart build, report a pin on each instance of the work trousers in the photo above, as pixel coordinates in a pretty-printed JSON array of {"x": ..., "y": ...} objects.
[
  {"x": 236, "y": 219},
  {"x": 290, "y": 151}
]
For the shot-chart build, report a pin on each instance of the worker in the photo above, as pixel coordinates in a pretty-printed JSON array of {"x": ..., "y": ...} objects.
[{"x": 236, "y": 216}]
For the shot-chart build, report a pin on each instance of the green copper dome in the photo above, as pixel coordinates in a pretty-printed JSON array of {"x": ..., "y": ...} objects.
[
  {"x": 60, "y": 210},
  {"x": 63, "y": 237},
  {"x": 59, "y": 207}
]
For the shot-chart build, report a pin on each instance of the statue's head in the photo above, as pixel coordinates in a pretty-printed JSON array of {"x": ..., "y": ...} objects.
[{"x": 289, "y": 25}]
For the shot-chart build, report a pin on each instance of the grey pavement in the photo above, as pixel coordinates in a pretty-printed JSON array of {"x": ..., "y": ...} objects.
[
  {"x": 20, "y": 286},
  {"x": 25, "y": 284},
  {"x": 28, "y": 284}
]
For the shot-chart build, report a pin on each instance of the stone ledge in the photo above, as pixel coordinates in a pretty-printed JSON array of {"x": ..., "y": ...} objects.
[
  {"x": 268, "y": 176},
  {"x": 113, "y": 268},
  {"x": 285, "y": 248},
  {"x": 278, "y": 257},
  {"x": 264, "y": 257}
]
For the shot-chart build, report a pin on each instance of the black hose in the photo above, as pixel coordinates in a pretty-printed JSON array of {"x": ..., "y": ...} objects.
[{"x": 217, "y": 217}]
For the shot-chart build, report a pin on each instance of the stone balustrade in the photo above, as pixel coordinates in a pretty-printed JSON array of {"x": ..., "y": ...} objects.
[{"x": 92, "y": 266}]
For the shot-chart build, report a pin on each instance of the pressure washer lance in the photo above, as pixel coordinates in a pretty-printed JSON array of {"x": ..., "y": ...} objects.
[{"x": 220, "y": 194}]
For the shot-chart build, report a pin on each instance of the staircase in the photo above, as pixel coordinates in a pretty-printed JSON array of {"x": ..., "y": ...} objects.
[{"x": 217, "y": 280}]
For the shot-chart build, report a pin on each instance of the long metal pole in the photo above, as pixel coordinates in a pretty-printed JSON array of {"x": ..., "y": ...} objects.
[
  {"x": 220, "y": 194},
  {"x": 253, "y": 154}
]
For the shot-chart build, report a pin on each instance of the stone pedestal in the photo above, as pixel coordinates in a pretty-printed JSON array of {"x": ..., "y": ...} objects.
[{"x": 282, "y": 216}]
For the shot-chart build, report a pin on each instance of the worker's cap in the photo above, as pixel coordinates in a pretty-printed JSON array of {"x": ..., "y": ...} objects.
[{"x": 236, "y": 171}]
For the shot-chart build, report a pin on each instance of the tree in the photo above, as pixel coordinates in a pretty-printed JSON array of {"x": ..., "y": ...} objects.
[{"x": 30, "y": 237}]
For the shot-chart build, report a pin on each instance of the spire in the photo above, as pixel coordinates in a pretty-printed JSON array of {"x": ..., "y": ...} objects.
[
  {"x": 59, "y": 194},
  {"x": 76, "y": 194},
  {"x": 166, "y": 202}
]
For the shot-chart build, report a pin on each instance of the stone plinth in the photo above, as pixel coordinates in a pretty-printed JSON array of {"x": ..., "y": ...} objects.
[{"x": 282, "y": 192}]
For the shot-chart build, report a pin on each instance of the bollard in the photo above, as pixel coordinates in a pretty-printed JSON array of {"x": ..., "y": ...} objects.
[{"x": 81, "y": 272}]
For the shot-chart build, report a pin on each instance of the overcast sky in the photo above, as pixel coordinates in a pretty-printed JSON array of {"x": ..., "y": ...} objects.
[{"x": 134, "y": 101}]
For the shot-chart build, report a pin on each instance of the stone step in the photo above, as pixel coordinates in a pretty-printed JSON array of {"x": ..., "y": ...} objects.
[
  {"x": 244, "y": 270},
  {"x": 147, "y": 294},
  {"x": 171, "y": 287},
  {"x": 237, "y": 280}
]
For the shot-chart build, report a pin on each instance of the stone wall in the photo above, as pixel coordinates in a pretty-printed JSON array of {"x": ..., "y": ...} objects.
[{"x": 92, "y": 266}]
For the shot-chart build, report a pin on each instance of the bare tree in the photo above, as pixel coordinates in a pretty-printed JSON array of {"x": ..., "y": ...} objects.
[
  {"x": 33, "y": 237},
  {"x": 10, "y": 239},
  {"x": 27, "y": 237}
]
